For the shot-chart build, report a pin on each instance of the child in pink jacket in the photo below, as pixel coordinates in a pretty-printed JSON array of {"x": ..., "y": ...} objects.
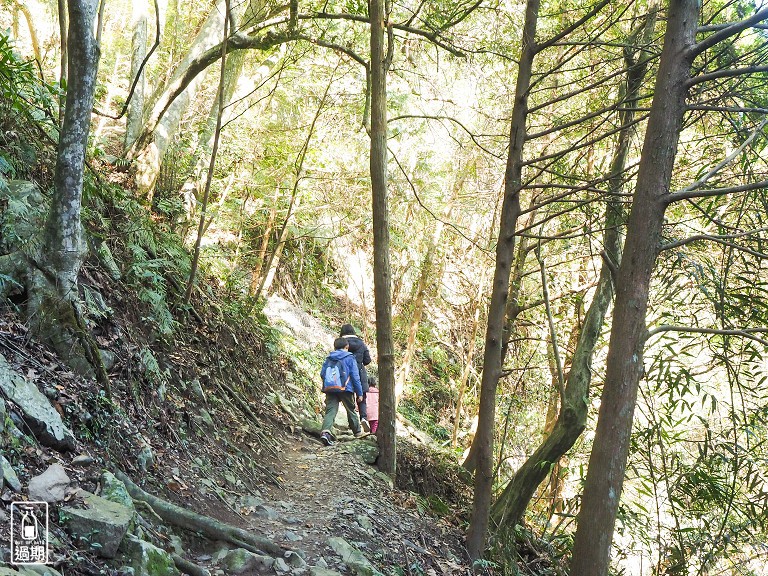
[{"x": 372, "y": 398}]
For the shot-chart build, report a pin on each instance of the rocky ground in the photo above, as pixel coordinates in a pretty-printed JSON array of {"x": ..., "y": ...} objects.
[{"x": 328, "y": 513}]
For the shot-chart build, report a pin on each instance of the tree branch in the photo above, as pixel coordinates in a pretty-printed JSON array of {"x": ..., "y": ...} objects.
[
  {"x": 563, "y": 33},
  {"x": 138, "y": 72},
  {"x": 450, "y": 119},
  {"x": 727, "y": 73},
  {"x": 432, "y": 36},
  {"x": 743, "y": 332},
  {"x": 692, "y": 188},
  {"x": 720, "y": 239},
  {"x": 728, "y": 31},
  {"x": 715, "y": 191}
]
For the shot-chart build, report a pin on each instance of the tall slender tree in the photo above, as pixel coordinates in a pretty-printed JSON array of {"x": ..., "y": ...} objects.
[{"x": 381, "y": 56}]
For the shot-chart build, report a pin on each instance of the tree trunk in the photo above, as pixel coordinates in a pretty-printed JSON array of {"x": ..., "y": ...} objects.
[
  {"x": 154, "y": 139},
  {"x": 64, "y": 246},
  {"x": 63, "y": 26},
  {"x": 261, "y": 255},
  {"x": 468, "y": 362},
  {"x": 232, "y": 74},
  {"x": 212, "y": 160},
  {"x": 32, "y": 32},
  {"x": 382, "y": 280},
  {"x": 138, "y": 53},
  {"x": 624, "y": 365},
  {"x": 425, "y": 275},
  {"x": 510, "y": 211}
]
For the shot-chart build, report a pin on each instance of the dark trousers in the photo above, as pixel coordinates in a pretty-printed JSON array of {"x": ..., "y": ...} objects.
[
  {"x": 332, "y": 401},
  {"x": 363, "y": 407}
]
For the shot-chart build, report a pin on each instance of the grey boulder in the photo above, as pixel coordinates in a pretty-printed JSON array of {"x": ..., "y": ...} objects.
[
  {"x": 102, "y": 524},
  {"x": 44, "y": 422},
  {"x": 50, "y": 486}
]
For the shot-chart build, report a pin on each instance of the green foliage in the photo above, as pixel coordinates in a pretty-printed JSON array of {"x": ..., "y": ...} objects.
[{"x": 26, "y": 117}]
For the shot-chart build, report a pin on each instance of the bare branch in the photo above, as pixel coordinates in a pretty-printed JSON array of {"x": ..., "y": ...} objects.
[
  {"x": 450, "y": 119},
  {"x": 676, "y": 196},
  {"x": 576, "y": 25},
  {"x": 692, "y": 188},
  {"x": 743, "y": 332},
  {"x": 139, "y": 71},
  {"x": 727, "y": 73},
  {"x": 728, "y": 31},
  {"x": 432, "y": 36},
  {"x": 333, "y": 46},
  {"x": 719, "y": 239}
]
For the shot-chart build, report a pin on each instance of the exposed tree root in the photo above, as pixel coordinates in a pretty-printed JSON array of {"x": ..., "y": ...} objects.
[
  {"x": 205, "y": 525},
  {"x": 189, "y": 567}
]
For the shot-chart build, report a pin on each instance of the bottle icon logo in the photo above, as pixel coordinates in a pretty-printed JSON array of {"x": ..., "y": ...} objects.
[
  {"x": 29, "y": 533},
  {"x": 28, "y": 526}
]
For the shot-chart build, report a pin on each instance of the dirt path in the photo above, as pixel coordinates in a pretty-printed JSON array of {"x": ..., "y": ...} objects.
[{"x": 330, "y": 492}]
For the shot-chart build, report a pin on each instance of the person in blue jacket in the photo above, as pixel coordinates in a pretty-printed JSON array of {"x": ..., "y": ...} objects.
[
  {"x": 353, "y": 391},
  {"x": 363, "y": 356}
]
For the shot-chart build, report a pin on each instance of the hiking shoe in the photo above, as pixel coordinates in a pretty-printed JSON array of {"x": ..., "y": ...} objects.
[
  {"x": 326, "y": 439},
  {"x": 366, "y": 426},
  {"x": 361, "y": 434}
]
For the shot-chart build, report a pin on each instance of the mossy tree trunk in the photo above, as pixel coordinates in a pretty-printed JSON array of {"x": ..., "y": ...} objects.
[
  {"x": 63, "y": 243},
  {"x": 52, "y": 286}
]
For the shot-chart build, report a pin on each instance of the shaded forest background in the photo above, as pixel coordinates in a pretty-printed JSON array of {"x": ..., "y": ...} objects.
[{"x": 259, "y": 160}]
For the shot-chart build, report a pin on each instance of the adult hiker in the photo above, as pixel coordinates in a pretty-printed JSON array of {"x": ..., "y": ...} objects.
[
  {"x": 341, "y": 385},
  {"x": 363, "y": 357}
]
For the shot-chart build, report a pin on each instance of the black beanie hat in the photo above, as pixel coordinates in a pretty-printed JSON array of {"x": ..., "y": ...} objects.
[{"x": 347, "y": 330}]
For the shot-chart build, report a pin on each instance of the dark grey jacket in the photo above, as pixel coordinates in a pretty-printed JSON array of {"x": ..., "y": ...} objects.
[{"x": 363, "y": 357}]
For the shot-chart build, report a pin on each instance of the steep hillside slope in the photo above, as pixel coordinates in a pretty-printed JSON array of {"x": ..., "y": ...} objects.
[{"x": 203, "y": 420}]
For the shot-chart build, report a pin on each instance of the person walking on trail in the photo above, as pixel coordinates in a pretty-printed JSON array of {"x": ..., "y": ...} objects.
[
  {"x": 341, "y": 385},
  {"x": 373, "y": 404},
  {"x": 363, "y": 357}
]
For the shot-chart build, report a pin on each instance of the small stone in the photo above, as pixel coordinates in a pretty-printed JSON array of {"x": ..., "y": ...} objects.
[
  {"x": 50, "y": 486},
  {"x": 241, "y": 561},
  {"x": 206, "y": 417},
  {"x": 365, "y": 523},
  {"x": 108, "y": 359},
  {"x": 102, "y": 524},
  {"x": 348, "y": 512},
  {"x": 292, "y": 536},
  {"x": 83, "y": 460},
  {"x": 148, "y": 559},
  {"x": 37, "y": 570},
  {"x": 145, "y": 458},
  {"x": 249, "y": 501},
  {"x": 281, "y": 565},
  {"x": 267, "y": 512},
  {"x": 293, "y": 559},
  {"x": 114, "y": 490},
  {"x": 322, "y": 571}
]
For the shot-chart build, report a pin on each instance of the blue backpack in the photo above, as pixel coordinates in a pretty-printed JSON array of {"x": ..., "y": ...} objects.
[{"x": 336, "y": 376}]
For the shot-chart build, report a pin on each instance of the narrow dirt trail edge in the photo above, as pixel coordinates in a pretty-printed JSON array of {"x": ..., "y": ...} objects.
[{"x": 331, "y": 504}]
